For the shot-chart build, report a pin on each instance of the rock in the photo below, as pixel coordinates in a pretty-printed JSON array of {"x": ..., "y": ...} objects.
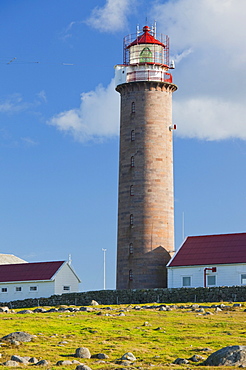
[
  {"x": 25, "y": 311},
  {"x": 227, "y": 356},
  {"x": 22, "y": 360},
  {"x": 162, "y": 308},
  {"x": 11, "y": 363},
  {"x": 39, "y": 310},
  {"x": 83, "y": 367},
  {"x": 20, "y": 336},
  {"x": 94, "y": 303},
  {"x": 64, "y": 363},
  {"x": 42, "y": 363},
  {"x": 82, "y": 352},
  {"x": 101, "y": 356},
  {"x": 180, "y": 361},
  {"x": 128, "y": 356},
  {"x": 33, "y": 360},
  {"x": 196, "y": 358},
  {"x": 4, "y": 309}
]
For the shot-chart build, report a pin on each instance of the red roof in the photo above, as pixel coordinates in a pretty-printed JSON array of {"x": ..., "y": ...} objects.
[
  {"x": 211, "y": 250},
  {"x": 146, "y": 38},
  {"x": 29, "y": 271}
]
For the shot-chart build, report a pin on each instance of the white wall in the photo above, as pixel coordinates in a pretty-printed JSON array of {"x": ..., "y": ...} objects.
[
  {"x": 44, "y": 289},
  {"x": 66, "y": 277},
  {"x": 226, "y": 275}
]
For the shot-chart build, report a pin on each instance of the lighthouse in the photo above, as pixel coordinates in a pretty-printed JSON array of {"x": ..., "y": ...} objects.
[{"x": 145, "y": 196}]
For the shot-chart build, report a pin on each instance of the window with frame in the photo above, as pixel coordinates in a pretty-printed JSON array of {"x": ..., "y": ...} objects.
[
  {"x": 18, "y": 289},
  {"x": 211, "y": 280},
  {"x": 4, "y": 290},
  {"x": 133, "y": 135},
  {"x": 131, "y": 220},
  {"x": 186, "y": 281},
  {"x": 243, "y": 279},
  {"x": 130, "y": 275},
  {"x": 66, "y": 287},
  {"x": 130, "y": 248},
  {"x": 33, "y": 288},
  {"x": 133, "y": 107},
  {"x": 132, "y": 161},
  {"x": 131, "y": 190}
]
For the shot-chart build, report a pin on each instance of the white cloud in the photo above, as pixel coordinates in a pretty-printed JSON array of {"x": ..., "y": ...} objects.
[
  {"x": 97, "y": 117},
  {"x": 112, "y": 17},
  {"x": 207, "y": 41}
]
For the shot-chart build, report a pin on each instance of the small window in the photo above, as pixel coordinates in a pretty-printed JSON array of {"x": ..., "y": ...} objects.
[
  {"x": 186, "y": 281},
  {"x": 243, "y": 279},
  {"x": 18, "y": 289},
  {"x": 133, "y": 107},
  {"x": 66, "y": 287},
  {"x": 133, "y": 135},
  {"x": 130, "y": 248},
  {"x": 4, "y": 290},
  {"x": 33, "y": 288},
  {"x": 130, "y": 275},
  {"x": 211, "y": 280},
  {"x": 131, "y": 220},
  {"x": 132, "y": 161},
  {"x": 131, "y": 190}
]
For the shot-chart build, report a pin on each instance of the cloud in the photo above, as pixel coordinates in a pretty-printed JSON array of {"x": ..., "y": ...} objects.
[
  {"x": 112, "y": 17},
  {"x": 207, "y": 42},
  {"x": 13, "y": 104},
  {"x": 97, "y": 117}
]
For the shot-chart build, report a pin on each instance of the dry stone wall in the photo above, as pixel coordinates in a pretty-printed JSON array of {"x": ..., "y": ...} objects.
[{"x": 138, "y": 296}]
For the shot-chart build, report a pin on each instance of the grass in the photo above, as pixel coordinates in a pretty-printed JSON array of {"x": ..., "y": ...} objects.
[{"x": 156, "y": 338}]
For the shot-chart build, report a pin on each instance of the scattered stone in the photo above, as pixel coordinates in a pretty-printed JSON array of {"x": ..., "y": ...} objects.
[
  {"x": 4, "y": 309},
  {"x": 14, "y": 342},
  {"x": 227, "y": 356},
  {"x": 196, "y": 358},
  {"x": 94, "y": 303},
  {"x": 101, "y": 356},
  {"x": 83, "y": 367},
  {"x": 82, "y": 352},
  {"x": 162, "y": 308},
  {"x": 39, "y": 310},
  {"x": 24, "y": 311},
  {"x": 20, "y": 336},
  {"x": 42, "y": 363},
  {"x": 64, "y": 363},
  {"x": 11, "y": 363},
  {"x": 128, "y": 356},
  {"x": 180, "y": 361},
  {"x": 22, "y": 360},
  {"x": 33, "y": 360}
]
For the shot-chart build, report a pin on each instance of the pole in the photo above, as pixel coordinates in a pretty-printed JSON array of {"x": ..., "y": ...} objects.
[{"x": 104, "y": 268}]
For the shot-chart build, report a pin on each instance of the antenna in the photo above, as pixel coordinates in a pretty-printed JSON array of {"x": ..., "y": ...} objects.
[
  {"x": 154, "y": 29},
  {"x": 104, "y": 268},
  {"x": 69, "y": 259},
  {"x": 183, "y": 226}
]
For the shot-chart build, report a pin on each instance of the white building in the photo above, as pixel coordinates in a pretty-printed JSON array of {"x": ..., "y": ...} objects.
[
  {"x": 208, "y": 261},
  {"x": 20, "y": 281}
]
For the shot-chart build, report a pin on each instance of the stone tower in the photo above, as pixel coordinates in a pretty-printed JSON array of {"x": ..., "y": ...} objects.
[{"x": 145, "y": 203}]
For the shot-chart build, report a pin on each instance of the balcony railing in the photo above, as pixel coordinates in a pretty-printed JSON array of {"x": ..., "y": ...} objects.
[{"x": 149, "y": 75}]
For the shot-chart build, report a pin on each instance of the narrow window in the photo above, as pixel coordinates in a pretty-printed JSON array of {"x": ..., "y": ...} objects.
[
  {"x": 243, "y": 279},
  {"x": 130, "y": 248},
  {"x": 146, "y": 55},
  {"x": 211, "y": 280},
  {"x": 131, "y": 220},
  {"x": 18, "y": 288},
  {"x": 66, "y": 287},
  {"x": 130, "y": 275},
  {"x": 33, "y": 288},
  {"x": 133, "y": 135},
  {"x": 132, "y": 161},
  {"x": 4, "y": 290},
  {"x": 133, "y": 107},
  {"x": 186, "y": 281},
  {"x": 131, "y": 190}
]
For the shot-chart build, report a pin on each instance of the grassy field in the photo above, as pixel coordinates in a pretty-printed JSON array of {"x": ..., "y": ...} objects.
[{"x": 155, "y": 337}]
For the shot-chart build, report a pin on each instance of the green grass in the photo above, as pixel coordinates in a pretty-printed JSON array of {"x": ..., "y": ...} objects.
[{"x": 156, "y": 338}]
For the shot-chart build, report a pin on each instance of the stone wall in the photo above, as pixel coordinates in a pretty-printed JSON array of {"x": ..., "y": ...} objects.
[{"x": 111, "y": 297}]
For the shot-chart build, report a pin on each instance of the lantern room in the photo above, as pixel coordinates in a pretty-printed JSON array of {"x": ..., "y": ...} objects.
[{"x": 145, "y": 48}]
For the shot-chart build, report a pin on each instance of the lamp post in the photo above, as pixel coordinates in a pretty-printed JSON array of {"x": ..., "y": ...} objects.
[{"x": 104, "y": 268}]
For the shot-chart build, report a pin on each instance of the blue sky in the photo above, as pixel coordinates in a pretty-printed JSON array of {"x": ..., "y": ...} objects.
[{"x": 59, "y": 122}]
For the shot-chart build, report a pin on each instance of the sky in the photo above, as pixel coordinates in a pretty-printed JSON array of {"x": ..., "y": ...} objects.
[{"x": 59, "y": 124}]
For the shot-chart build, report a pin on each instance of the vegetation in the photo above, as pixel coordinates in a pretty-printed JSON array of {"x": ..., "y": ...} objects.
[{"x": 155, "y": 337}]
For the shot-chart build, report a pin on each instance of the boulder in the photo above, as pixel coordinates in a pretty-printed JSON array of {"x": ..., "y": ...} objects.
[
  {"x": 11, "y": 363},
  {"x": 83, "y": 367},
  {"x": 42, "y": 363},
  {"x": 128, "y": 356},
  {"x": 4, "y": 309},
  {"x": 180, "y": 361},
  {"x": 22, "y": 360},
  {"x": 20, "y": 336},
  {"x": 228, "y": 356},
  {"x": 82, "y": 352}
]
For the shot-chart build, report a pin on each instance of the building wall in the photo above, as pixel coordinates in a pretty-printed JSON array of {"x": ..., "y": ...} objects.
[
  {"x": 145, "y": 189},
  {"x": 64, "y": 278},
  {"x": 43, "y": 289},
  {"x": 226, "y": 275}
]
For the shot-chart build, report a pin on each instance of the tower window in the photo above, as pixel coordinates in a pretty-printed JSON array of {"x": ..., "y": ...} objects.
[
  {"x": 146, "y": 55},
  {"x": 133, "y": 107},
  {"x": 132, "y": 161},
  {"x": 131, "y": 190},
  {"x": 130, "y": 248},
  {"x": 131, "y": 220},
  {"x": 133, "y": 135},
  {"x": 130, "y": 275}
]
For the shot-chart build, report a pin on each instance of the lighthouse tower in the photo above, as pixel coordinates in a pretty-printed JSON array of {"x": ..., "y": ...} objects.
[{"x": 145, "y": 203}]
